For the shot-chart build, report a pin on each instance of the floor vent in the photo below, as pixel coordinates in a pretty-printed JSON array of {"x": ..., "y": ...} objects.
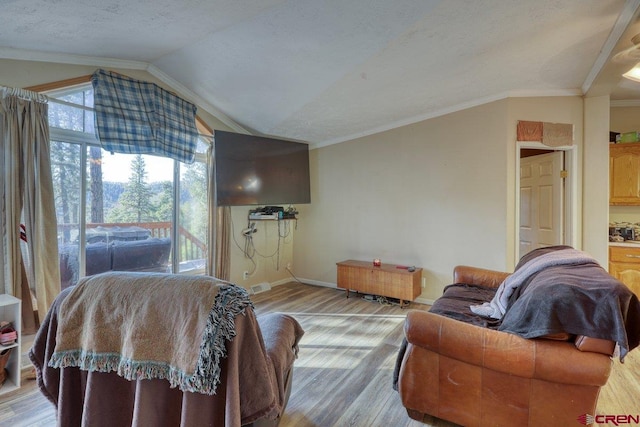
[{"x": 260, "y": 287}]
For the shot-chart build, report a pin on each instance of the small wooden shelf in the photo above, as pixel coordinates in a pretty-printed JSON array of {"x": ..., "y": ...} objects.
[
  {"x": 10, "y": 311},
  {"x": 388, "y": 280}
]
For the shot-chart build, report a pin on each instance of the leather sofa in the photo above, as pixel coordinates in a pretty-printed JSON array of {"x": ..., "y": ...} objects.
[{"x": 477, "y": 376}]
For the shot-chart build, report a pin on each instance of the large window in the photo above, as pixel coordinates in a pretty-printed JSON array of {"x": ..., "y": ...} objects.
[{"x": 121, "y": 211}]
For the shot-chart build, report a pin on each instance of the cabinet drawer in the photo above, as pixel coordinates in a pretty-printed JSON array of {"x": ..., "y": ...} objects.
[{"x": 624, "y": 254}]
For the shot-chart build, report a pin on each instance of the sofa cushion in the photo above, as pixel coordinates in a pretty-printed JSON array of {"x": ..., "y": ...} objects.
[
  {"x": 456, "y": 300},
  {"x": 595, "y": 345}
]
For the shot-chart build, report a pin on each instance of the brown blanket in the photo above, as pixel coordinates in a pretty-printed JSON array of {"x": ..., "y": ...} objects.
[
  {"x": 253, "y": 377},
  {"x": 146, "y": 325}
]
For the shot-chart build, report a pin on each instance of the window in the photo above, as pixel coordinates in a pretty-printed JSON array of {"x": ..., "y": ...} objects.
[{"x": 121, "y": 211}]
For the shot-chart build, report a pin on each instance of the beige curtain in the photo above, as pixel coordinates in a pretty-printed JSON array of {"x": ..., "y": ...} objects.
[
  {"x": 27, "y": 193},
  {"x": 223, "y": 231},
  {"x": 218, "y": 254}
]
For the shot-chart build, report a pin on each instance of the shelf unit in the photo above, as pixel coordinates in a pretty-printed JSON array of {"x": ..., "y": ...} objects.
[{"x": 10, "y": 311}]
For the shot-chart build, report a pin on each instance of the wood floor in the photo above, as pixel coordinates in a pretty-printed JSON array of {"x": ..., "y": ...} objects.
[{"x": 344, "y": 371}]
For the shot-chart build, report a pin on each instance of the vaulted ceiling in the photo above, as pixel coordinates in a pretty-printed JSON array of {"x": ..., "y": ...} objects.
[{"x": 326, "y": 71}]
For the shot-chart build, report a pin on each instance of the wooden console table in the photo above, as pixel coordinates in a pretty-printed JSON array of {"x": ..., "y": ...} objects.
[{"x": 388, "y": 280}]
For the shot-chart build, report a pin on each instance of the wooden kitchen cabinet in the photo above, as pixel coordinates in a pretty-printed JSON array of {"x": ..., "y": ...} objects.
[
  {"x": 624, "y": 174},
  {"x": 624, "y": 265}
]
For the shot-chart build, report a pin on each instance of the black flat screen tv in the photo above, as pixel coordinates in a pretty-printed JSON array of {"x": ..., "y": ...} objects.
[{"x": 256, "y": 170}]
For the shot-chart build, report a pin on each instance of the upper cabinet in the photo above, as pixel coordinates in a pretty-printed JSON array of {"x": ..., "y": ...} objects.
[{"x": 624, "y": 174}]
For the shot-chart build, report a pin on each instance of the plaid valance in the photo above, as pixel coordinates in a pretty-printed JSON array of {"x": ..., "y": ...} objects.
[{"x": 137, "y": 117}]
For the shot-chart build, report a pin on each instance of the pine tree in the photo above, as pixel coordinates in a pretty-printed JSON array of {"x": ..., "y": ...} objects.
[
  {"x": 96, "y": 188},
  {"x": 65, "y": 169},
  {"x": 135, "y": 204},
  {"x": 193, "y": 200},
  {"x": 164, "y": 204}
]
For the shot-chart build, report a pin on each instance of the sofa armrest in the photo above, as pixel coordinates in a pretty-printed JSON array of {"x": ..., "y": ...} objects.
[
  {"x": 478, "y": 276},
  {"x": 281, "y": 334},
  {"x": 554, "y": 361}
]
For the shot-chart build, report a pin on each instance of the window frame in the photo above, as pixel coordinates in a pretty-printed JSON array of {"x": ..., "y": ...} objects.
[{"x": 86, "y": 140}]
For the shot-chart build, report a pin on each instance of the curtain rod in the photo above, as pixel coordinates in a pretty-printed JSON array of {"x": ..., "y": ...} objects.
[
  {"x": 35, "y": 96},
  {"x": 23, "y": 94}
]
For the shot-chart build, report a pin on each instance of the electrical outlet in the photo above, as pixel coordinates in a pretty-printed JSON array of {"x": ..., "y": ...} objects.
[
  {"x": 424, "y": 282},
  {"x": 288, "y": 266},
  {"x": 245, "y": 275}
]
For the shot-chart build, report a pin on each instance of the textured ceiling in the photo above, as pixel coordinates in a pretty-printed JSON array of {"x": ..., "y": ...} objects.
[{"x": 324, "y": 71}]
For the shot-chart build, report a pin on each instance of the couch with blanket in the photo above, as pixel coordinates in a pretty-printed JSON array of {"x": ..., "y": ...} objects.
[
  {"x": 142, "y": 349},
  {"x": 540, "y": 362}
]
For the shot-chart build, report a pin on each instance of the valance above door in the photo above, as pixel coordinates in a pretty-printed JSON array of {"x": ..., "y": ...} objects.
[{"x": 550, "y": 134}]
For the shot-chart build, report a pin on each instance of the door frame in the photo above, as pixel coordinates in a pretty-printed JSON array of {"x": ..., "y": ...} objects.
[{"x": 570, "y": 223}]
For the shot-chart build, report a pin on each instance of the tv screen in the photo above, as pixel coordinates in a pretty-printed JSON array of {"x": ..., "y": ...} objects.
[{"x": 255, "y": 170}]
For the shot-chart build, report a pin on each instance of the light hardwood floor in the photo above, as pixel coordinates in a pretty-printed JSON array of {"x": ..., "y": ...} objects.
[{"x": 344, "y": 371}]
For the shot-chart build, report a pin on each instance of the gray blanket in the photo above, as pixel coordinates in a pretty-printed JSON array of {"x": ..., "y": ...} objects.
[
  {"x": 576, "y": 299},
  {"x": 498, "y": 304}
]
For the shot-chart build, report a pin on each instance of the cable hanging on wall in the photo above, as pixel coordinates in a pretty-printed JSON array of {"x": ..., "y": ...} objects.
[{"x": 249, "y": 249}]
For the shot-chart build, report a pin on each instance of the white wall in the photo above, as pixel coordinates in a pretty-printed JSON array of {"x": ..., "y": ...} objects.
[
  {"x": 624, "y": 119},
  {"x": 595, "y": 205},
  {"x": 432, "y": 194},
  {"x": 273, "y": 243}
]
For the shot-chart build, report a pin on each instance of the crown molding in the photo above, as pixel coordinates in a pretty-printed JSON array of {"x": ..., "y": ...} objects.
[
  {"x": 448, "y": 110},
  {"x": 408, "y": 121},
  {"x": 67, "y": 58}
]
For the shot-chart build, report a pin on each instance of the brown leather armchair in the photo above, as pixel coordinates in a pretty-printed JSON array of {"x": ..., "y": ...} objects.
[{"x": 478, "y": 376}]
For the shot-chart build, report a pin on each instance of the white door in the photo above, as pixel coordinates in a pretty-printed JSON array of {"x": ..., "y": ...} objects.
[{"x": 541, "y": 201}]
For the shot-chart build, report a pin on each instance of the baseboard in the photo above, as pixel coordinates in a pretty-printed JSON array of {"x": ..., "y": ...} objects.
[
  {"x": 418, "y": 300},
  {"x": 318, "y": 283},
  {"x": 281, "y": 282},
  {"x": 426, "y": 301}
]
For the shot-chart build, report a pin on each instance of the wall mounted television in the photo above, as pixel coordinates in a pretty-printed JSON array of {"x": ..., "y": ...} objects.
[{"x": 256, "y": 170}]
